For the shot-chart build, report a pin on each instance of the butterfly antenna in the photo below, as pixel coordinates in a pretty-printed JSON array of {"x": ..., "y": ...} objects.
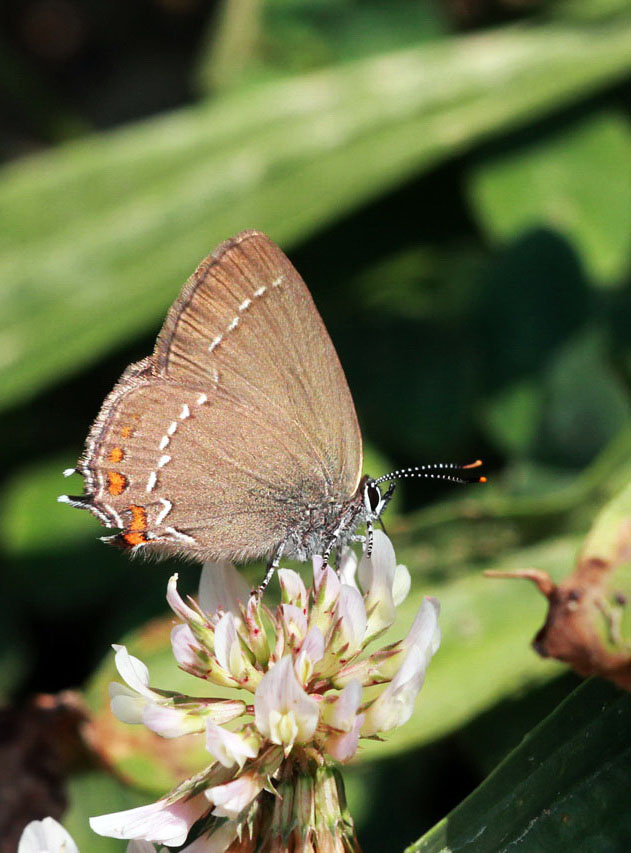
[{"x": 437, "y": 471}]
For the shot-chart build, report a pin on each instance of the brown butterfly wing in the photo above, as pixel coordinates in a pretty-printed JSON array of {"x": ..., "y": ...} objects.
[{"x": 240, "y": 419}]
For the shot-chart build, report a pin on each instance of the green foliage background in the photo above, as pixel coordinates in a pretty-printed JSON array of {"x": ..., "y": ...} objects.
[{"x": 458, "y": 199}]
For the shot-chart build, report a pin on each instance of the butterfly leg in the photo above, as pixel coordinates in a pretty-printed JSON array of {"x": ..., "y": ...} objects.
[
  {"x": 369, "y": 539},
  {"x": 386, "y": 498},
  {"x": 273, "y": 565}
]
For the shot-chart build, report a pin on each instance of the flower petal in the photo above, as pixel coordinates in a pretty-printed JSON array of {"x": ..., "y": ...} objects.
[
  {"x": 394, "y": 706},
  {"x": 227, "y": 645},
  {"x": 376, "y": 575},
  {"x": 126, "y": 708},
  {"x": 171, "y": 722},
  {"x": 294, "y": 623},
  {"x": 343, "y": 747},
  {"x": 230, "y": 748},
  {"x": 310, "y": 653},
  {"x": 284, "y": 712},
  {"x": 292, "y": 588},
  {"x": 222, "y": 587},
  {"x": 401, "y": 585},
  {"x": 340, "y": 711},
  {"x": 178, "y": 606},
  {"x": 140, "y": 846},
  {"x": 189, "y": 654},
  {"x": 327, "y": 589},
  {"x": 351, "y": 628},
  {"x": 133, "y": 671},
  {"x": 348, "y": 567},
  {"x": 162, "y": 822},
  {"x": 218, "y": 842},
  {"x": 425, "y": 630},
  {"x": 46, "y": 836},
  {"x": 230, "y": 799}
]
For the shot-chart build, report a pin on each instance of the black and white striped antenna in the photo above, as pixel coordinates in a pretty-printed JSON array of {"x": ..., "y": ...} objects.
[{"x": 437, "y": 471}]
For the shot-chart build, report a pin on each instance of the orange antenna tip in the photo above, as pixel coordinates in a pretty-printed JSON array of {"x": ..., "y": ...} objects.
[
  {"x": 475, "y": 464},
  {"x": 483, "y": 480}
]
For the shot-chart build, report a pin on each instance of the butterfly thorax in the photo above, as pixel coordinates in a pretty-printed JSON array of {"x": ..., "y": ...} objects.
[{"x": 322, "y": 526}]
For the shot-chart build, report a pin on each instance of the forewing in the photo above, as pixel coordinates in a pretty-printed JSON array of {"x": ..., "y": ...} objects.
[
  {"x": 242, "y": 418},
  {"x": 247, "y": 318}
]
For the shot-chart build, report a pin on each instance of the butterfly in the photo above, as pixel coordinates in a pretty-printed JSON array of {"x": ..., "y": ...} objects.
[{"x": 237, "y": 438}]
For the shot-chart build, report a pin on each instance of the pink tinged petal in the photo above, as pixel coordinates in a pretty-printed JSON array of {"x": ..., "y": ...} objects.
[
  {"x": 317, "y": 561},
  {"x": 376, "y": 575},
  {"x": 294, "y": 623},
  {"x": 257, "y": 636},
  {"x": 178, "y": 606},
  {"x": 46, "y": 836},
  {"x": 228, "y": 647},
  {"x": 127, "y": 706},
  {"x": 223, "y": 588},
  {"x": 394, "y": 706},
  {"x": 351, "y": 612},
  {"x": 425, "y": 630},
  {"x": 424, "y": 633},
  {"x": 327, "y": 590},
  {"x": 134, "y": 672},
  {"x": 230, "y": 748},
  {"x": 138, "y": 846},
  {"x": 343, "y": 747},
  {"x": 348, "y": 567},
  {"x": 171, "y": 722},
  {"x": 340, "y": 711},
  {"x": 284, "y": 712},
  {"x": 292, "y": 589},
  {"x": 162, "y": 822},
  {"x": 401, "y": 585},
  {"x": 230, "y": 799},
  {"x": 310, "y": 653},
  {"x": 217, "y": 842},
  {"x": 188, "y": 652}
]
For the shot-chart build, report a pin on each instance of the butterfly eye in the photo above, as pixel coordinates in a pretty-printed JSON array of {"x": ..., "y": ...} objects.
[{"x": 372, "y": 497}]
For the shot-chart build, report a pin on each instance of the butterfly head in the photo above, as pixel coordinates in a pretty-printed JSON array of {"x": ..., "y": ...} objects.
[{"x": 375, "y": 501}]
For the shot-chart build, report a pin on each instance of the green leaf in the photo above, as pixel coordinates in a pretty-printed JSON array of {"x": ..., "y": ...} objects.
[
  {"x": 91, "y": 794},
  {"x": 564, "y": 788},
  {"x": 96, "y": 236},
  {"x": 569, "y": 180}
]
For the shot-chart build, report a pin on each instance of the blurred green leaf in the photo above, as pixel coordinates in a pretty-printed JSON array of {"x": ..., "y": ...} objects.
[
  {"x": 92, "y": 794},
  {"x": 571, "y": 180},
  {"x": 572, "y": 409},
  {"x": 564, "y": 788},
  {"x": 585, "y": 403},
  {"x": 96, "y": 236},
  {"x": 513, "y": 415},
  {"x": 255, "y": 38},
  {"x": 603, "y": 541}
]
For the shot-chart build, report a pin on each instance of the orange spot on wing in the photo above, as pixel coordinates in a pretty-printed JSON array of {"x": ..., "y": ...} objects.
[
  {"x": 116, "y": 483},
  {"x": 138, "y": 518},
  {"x": 135, "y": 538},
  {"x": 116, "y": 454}
]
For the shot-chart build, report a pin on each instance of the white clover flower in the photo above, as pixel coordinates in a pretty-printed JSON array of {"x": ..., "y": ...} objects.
[
  {"x": 306, "y": 665},
  {"x": 46, "y": 836}
]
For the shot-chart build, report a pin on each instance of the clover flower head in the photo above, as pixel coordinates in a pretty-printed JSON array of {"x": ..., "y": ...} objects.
[{"x": 272, "y": 776}]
